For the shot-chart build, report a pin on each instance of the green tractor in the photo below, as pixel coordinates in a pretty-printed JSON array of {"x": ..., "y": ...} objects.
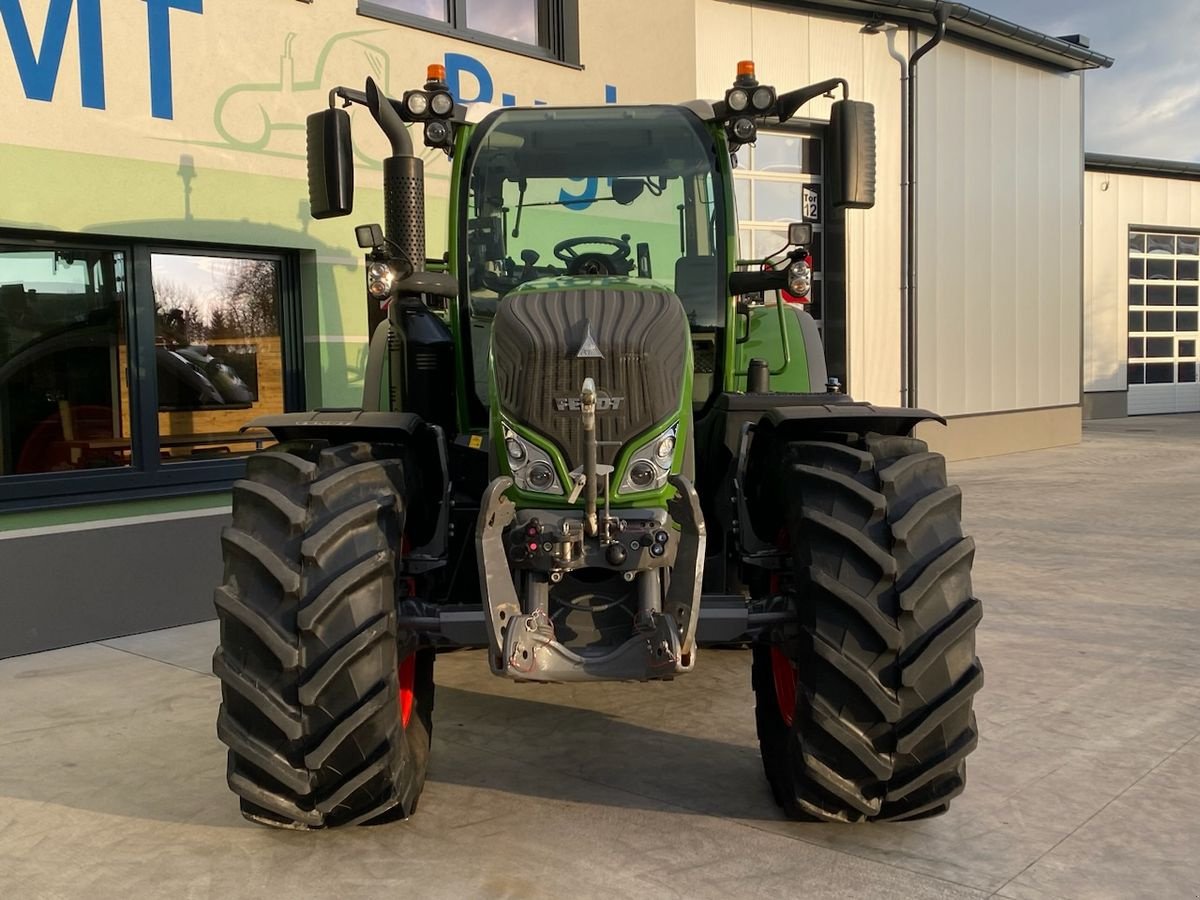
[{"x": 592, "y": 441}]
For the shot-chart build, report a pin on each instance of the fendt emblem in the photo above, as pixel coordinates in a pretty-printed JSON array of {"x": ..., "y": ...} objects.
[{"x": 604, "y": 403}]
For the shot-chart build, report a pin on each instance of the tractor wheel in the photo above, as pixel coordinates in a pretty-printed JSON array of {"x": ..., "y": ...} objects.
[
  {"x": 326, "y": 706},
  {"x": 864, "y": 708}
]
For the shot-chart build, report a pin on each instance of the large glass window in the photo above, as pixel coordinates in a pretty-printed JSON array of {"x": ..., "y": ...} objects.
[
  {"x": 548, "y": 26},
  {"x": 62, "y": 360},
  {"x": 91, "y": 335}
]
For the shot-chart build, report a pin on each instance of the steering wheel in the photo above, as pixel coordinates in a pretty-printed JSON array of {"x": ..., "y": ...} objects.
[{"x": 615, "y": 263}]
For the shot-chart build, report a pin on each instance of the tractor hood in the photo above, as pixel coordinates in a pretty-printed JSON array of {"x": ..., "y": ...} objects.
[{"x": 631, "y": 338}]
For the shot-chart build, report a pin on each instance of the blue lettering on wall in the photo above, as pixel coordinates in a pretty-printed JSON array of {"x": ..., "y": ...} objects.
[
  {"x": 484, "y": 88},
  {"x": 39, "y": 72},
  {"x": 458, "y": 64},
  {"x": 158, "y": 22}
]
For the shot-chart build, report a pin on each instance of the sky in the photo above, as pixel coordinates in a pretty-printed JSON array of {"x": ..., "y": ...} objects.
[{"x": 1148, "y": 103}]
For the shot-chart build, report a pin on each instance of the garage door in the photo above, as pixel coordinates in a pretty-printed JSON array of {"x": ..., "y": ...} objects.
[{"x": 1164, "y": 283}]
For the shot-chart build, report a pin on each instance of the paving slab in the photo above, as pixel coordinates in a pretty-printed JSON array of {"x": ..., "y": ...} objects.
[{"x": 1084, "y": 783}]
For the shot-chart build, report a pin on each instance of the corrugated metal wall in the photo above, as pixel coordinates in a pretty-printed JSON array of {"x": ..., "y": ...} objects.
[
  {"x": 999, "y": 215},
  {"x": 1114, "y": 203},
  {"x": 792, "y": 50}
]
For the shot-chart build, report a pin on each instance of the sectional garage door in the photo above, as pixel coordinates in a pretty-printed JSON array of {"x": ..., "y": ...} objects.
[{"x": 1164, "y": 305}]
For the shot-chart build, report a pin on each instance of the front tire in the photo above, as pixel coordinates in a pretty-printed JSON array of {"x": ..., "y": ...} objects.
[
  {"x": 864, "y": 709},
  {"x": 326, "y": 706}
]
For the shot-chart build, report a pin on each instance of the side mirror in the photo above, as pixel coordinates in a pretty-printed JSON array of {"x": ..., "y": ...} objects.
[
  {"x": 800, "y": 234},
  {"x": 852, "y": 154},
  {"x": 330, "y": 164}
]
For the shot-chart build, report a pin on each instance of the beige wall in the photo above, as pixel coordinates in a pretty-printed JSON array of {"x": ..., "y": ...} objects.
[
  {"x": 792, "y": 49},
  {"x": 999, "y": 210}
]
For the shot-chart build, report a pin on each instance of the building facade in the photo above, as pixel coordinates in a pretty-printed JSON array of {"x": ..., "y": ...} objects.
[
  {"x": 162, "y": 281},
  {"x": 1142, "y": 287}
]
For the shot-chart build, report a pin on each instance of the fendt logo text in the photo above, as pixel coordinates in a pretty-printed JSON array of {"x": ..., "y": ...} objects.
[{"x": 604, "y": 403}]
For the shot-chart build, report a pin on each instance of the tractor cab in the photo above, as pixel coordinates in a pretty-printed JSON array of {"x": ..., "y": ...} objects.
[{"x": 576, "y": 198}]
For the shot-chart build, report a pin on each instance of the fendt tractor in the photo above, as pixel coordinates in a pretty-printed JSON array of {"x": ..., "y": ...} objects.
[{"x": 593, "y": 441}]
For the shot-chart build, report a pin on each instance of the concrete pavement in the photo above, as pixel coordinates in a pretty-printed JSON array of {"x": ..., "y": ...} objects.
[{"x": 1086, "y": 782}]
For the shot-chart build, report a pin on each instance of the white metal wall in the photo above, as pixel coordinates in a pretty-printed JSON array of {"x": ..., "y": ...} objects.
[
  {"x": 999, "y": 211},
  {"x": 1114, "y": 203},
  {"x": 791, "y": 50}
]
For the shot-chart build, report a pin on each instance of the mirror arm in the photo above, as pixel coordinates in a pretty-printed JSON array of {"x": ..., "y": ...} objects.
[
  {"x": 348, "y": 96},
  {"x": 790, "y": 103}
]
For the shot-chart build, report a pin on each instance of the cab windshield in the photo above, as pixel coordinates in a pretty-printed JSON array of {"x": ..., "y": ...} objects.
[{"x": 588, "y": 193}]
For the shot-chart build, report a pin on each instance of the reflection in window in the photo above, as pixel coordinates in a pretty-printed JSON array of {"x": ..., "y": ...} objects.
[
  {"x": 778, "y": 201},
  {"x": 1160, "y": 269},
  {"x": 1187, "y": 245},
  {"x": 1160, "y": 243},
  {"x": 516, "y": 20},
  {"x": 63, "y": 401},
  {"x": 787, "y": 153},
  {"x": 218, "y": 350}
]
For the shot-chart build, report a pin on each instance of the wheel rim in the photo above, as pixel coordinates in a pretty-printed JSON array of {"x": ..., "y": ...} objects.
[
  {"x": 785, "y": 684},
  {"x": 407, "y": 670}
]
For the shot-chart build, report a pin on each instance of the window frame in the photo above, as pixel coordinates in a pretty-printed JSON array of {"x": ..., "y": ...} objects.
[
  {"x": 147, "y": 475},
  {"x": 557, "y": 20}
]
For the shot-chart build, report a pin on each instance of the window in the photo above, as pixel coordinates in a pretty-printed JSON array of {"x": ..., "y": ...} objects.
[
  {"x": 546, "y": 28},
  {"x": 779, "y": 181},
  {"x": 62, "y": 349},
  {"x": 78, "y": 321},
  {"x": 1164, "y": 278}
]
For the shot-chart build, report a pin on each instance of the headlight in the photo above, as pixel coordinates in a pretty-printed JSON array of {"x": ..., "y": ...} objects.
[
  {"x": 799, "y": 279},
  {"x": 441, "y": 103},
  {"x": 651, "y": 463},
  {"x": 744, "y": 130},
  {"x": 762, "y": 99},
  {"x": 737, "y": 100},
  {"x": 531, "y": 466},
  {"x": 380, "y": 279},
  {"x": 417, "y": 103}
]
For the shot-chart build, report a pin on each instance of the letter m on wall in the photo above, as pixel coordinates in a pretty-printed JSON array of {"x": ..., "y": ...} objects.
[{"x": 39, "y": 70}]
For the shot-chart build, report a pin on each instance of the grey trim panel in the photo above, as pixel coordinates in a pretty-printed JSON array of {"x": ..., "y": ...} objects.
[
  {"x": 66, "y": 588},
  {"x": 1105, "y": 404}
]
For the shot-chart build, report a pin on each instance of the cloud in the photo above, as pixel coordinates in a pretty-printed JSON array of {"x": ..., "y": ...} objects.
[{"x": 1148, "y": 103}]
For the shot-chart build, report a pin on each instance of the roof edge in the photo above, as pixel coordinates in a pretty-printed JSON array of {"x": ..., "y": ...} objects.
[
  {"x": 972, "y": 24},
  {"x": 1140, "y": 165}
]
